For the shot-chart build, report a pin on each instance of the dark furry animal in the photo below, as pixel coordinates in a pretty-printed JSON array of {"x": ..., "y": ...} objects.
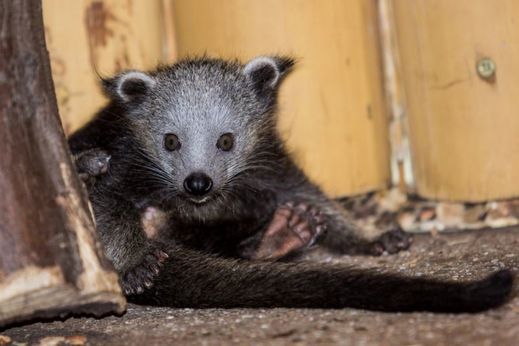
[{"x": 198, "y": 175}]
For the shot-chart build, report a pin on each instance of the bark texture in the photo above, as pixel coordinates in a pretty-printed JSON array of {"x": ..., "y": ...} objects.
[{"x": 50, "y": 261}]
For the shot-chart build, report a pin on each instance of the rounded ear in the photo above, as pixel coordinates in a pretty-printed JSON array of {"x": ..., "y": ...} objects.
[
  {"x": 266, "y": 73},
  {"x": 129, "y": 86}
]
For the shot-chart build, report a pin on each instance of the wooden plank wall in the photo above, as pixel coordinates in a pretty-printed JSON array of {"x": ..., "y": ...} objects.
[
  {"x": 332, "y": 108},
  {"x": 464, "y": 130},
  {"x": 87, "y": 39}
]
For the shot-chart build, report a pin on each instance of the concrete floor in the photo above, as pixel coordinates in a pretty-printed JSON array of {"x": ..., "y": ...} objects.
[{"x": 457, "y": 256}]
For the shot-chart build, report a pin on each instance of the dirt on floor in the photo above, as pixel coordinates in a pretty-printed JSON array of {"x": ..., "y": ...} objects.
[{"x": 456, "y": 256}]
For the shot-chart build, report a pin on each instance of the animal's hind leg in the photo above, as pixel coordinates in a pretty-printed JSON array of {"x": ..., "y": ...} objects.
[
  {"x": 391, "y": 242},
  {"x": 344, "y": 237},
  {"x": 294, "y": 227}
]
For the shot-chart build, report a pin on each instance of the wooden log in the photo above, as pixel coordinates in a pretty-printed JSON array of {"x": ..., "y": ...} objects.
[
  {"x": 332, "y": 108},
  {"x": 50, "y": 262}
]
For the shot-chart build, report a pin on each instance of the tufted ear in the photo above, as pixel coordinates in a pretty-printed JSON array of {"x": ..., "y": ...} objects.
[
  {"x": 130, "y": 86},
  {"x": 266, "y": 73}
]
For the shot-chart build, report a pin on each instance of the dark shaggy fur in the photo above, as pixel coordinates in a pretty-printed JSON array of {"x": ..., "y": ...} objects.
[{"x": 259, "y": 204}]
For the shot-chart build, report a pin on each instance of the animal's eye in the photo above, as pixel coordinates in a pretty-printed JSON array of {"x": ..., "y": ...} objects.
[
  {"x": 171, "y": 142},
  {"x": 225, "y": 142}
]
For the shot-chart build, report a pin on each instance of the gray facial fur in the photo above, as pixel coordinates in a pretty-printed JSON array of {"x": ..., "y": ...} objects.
[{"x": 199, "y": 102}]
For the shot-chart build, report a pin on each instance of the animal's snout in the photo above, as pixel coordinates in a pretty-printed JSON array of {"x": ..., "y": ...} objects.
[{"x": 198, "y": 184}]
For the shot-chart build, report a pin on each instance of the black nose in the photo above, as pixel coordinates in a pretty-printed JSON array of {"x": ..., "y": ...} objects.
[{"x": 198, "y": 184}]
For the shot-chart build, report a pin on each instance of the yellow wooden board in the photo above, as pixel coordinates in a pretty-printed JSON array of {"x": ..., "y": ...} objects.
[
  {"x": 87, "y": 39},
  {"x": 332, "y": 112},
  {"x": 464, "y": 130}
]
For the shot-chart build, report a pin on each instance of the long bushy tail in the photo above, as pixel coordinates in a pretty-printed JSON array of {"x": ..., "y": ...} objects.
[{"x": 192, "y": 279}]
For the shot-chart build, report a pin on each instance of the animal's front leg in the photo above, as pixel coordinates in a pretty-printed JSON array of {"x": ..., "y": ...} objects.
[
  {"x": 141, "y": 277},
  {"x": 130, "y": 239},
  {"x": 150, "y": 258},
  {"x": 91, "y": 164},
  {"x": 293, "y": 228},
  {"x": 134, "y": 251}
]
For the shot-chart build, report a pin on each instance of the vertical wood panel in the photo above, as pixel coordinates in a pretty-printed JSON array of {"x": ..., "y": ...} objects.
[
  {"x": 88, "y": 38},
  {"x": 464, "y": 130},
  {"x": 332, "y": 107}
]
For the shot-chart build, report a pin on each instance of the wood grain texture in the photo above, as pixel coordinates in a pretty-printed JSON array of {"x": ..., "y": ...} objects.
[
  {"x": 398, "y": 129},
  {"x": 92, "y": 38},
  {"x": 50, "y": 262},
  {"x": 464, "y": 130},
  {"x": 332, "y": 112}
]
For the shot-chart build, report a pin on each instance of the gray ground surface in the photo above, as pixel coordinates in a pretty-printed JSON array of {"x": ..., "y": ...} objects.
[{"x": 458, "y": 256}]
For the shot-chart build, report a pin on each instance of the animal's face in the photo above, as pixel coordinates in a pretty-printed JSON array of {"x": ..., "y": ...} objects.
[{"x": 203, "y": 123}]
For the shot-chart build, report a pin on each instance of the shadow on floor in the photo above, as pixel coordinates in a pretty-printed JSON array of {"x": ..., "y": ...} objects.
[{"x": 456, "y": 256}]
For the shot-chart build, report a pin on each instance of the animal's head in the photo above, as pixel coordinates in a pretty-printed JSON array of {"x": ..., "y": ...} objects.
[{"x": 203, "y": 123}]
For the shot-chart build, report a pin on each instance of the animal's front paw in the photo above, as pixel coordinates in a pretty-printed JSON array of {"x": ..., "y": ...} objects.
[
  {"x": 91, "y": 164},
  {"x": 141, "y": 277},
  {"x": 294, "y": 227},
  {"x": 391, "y": 242}
]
